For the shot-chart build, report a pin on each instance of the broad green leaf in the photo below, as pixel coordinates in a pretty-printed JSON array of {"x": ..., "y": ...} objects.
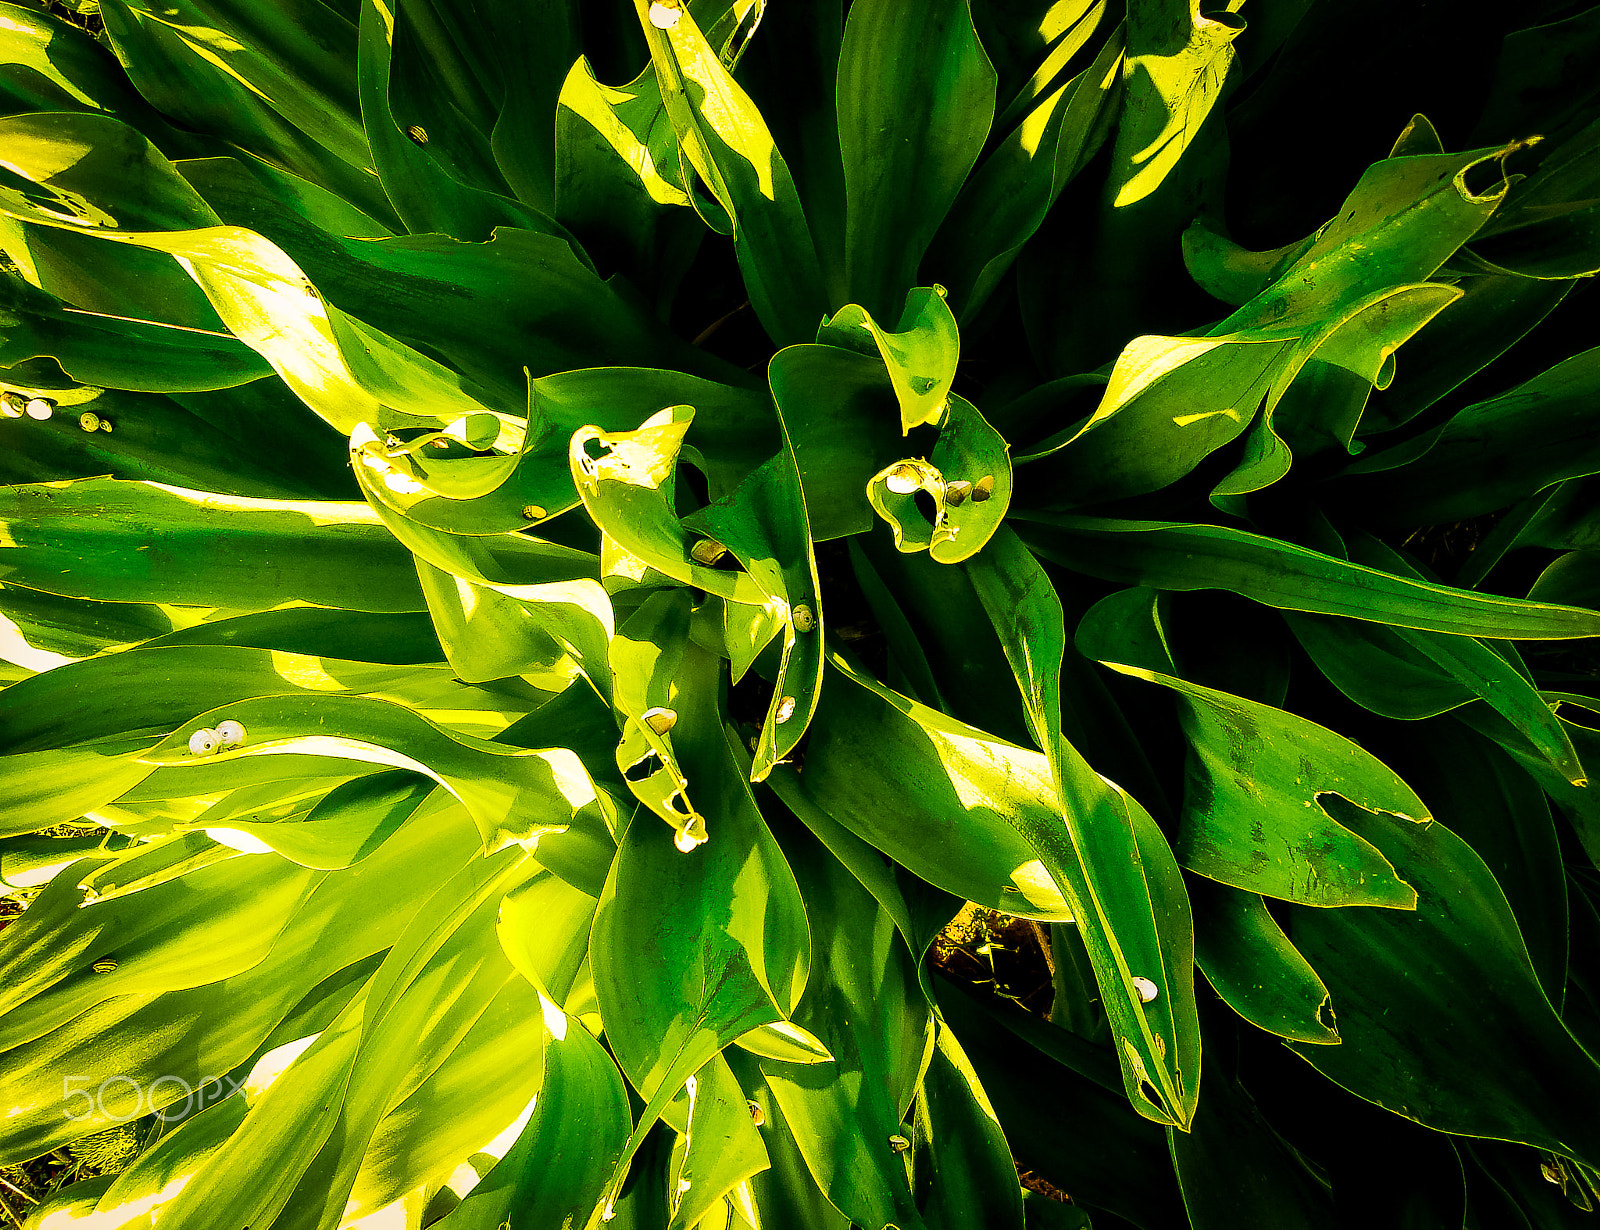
[
  {"x": 1110, "y": 861},
  {"x": 1508, "y": 1069},
  {"x": 1476, "y": 790},
  {"x": 921, "y": 354},
  {"x": 146, "y": 542},
  {"x": 557, "y": 1170},
  {"x": 150, "y": 938},
  {"x": 349, "y": 823},
  {"x": 53, "y": 65},
  {"x": 720, "y": 1148},
  {"x": 863, "y": 1002},
  {"x": 735, "y": 952},
  {"x": 1252, "y": 964},
  {"x": 41, "y": 789},
  {"x": 275, "y": 79},
  {"x": 627, "y": 481},
  {"x": 839, "y": 409},
  {"x": 127, "y": 354},
  {"x": 522, "y": 300},
  {"x": 103, "y": 698},
  {"x": 513, "y": 795},
  {"x": 439, "y": 979},
  {"x": 1549, "y": 227},
  {"x": 1176, "y": 556},
  {"x": 184, "y": 440},
  {"x": 1492, "y": 453},
  {"x": 617, "y": 168},
  {"x": 1236, "y": 1173},
  {"x": 765, "y": 525},
  {"x": 142, "y": 1188},
  {"x": 1493, "y": 313},
  {"x": 1253, "y": 815},
  {"x": 29, "y": 862},
  {"x": 962, "y": 1163},
  {"x": 544, "y": 930},
  {"x": 340, "y": 923},
  {"x": 1229, "y": 271},
  {"x": 341, "y": 368},
  {"x": 1012, "y": 191},
  {"x": 732, "y": 433},
  {"x": 943, "y": 799},
  {"x": 462, "y": 1106},
  {"x": 1177, "y": 61},
  {"x": 1404, "y": 673},
  {"x": 724, "y": 138},
  {"x": 428, "y": 193},
  {"x": 785, "y": 1193},
  {"x": 1170, "y": 403},
  {"x": 916, "y": 96},
  {"x": 645, "y": 657},
  {"x": 1106, "y": 1157}
]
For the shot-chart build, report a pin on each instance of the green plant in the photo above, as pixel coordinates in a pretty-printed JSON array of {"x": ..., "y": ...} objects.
[{"x": 617, "y": 719}]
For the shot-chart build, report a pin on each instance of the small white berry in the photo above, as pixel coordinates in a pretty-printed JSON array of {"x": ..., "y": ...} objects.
[
  {"x": 40, "y": 408},
  {"x": 1147, "y": 989},
  {"x": 664, "y": 16},
  {"x": 230, "y": 734}
]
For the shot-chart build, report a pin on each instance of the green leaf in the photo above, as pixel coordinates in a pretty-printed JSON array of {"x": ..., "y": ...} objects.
[
  {"x": 1109, "y": 859},
  {"x": 673, "y": 996},
  {"x": 916, "y": 96},
  {"x": 1403, "y": 673},
  {"x": 839, "y": 409},
  {"x": 785, "y": 1193},
  {"x": 129, "y": 354},
  {"x": 53, "y": 65},
  {"x": 144, "y": 542},
  {"x": 1507, "y": 1069},
  {"x": 1492, "y": 453},
  {"x": 1253, "y": 815},
  {"x": 863, "y": 1002},
  {"x": 723, "y": 136},
  {"x": 1236, "y": 1173},
  {"x": 944, "y": 800},
  {"x": 1106, "y": 1157},
  {"x": 513, "y": 795},
  {"x": 921, "y": 354},
  {"x": 720, "y": 1148},
  {"x": 962, "y": 1162},
  {"x": 428, "y": 193},
  {"x": 765, "y": 525},
  {"x": 275, "y": 79},
  {"x": 1177, "y": 62},
  {"x": 1484, "y": 798},
  {"x": 348, "y": 824},
  {"x": 1252, "y": 964},
  {"x": 1176, "y": 556},
  {"x": 340, "y": 923},
  {"x": 558, "y": 1167},
  {"x": 968, "y": 479},
  {"x": 1012, "y": 192}
]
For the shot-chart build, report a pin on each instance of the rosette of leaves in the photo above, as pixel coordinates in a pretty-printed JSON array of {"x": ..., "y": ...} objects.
[{"x": 552, "y": 547}]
